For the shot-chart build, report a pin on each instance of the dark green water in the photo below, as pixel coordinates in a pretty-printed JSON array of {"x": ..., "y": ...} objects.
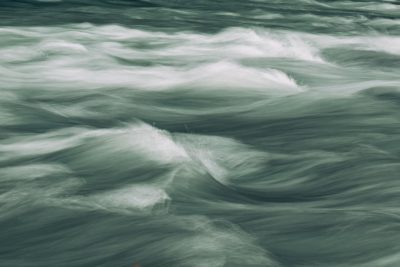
[{"x": 199, "y": 133}]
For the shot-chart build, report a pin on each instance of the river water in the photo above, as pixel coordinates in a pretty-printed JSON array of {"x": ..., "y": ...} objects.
[{"x": 199, "y": 133}]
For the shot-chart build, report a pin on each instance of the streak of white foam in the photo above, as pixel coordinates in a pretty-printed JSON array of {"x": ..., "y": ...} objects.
[
  {"x": 387, "y": 44},
  {"x": 47, "y": 195},
  {"x": 226, "y": 75},
  {"x": 133, "y": 197},
  {"x": 381, "y": 7},
  {"x": 232, "y": 75},
  {"x": 31, "y": 171},
  {"x": 386, "y": 22},
  {"x": 137, "y": 140},
  {"x": 37, "y": 144},
  {"x": 61, "y": 46}
]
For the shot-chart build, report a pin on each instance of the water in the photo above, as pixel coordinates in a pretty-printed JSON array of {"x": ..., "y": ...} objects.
[{"x": 199, "y": 133}]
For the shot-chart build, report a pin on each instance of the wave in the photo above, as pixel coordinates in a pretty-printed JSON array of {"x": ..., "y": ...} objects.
[
  {"x": 85, "y": 56},
  {"x": 210, "y": 135}
]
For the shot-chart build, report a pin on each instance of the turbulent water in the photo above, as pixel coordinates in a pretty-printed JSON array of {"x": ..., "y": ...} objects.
[{"x": 199, "y": 133}]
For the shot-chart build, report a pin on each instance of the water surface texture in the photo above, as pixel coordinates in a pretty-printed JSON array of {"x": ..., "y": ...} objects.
[{"x": 199, "y": 133}]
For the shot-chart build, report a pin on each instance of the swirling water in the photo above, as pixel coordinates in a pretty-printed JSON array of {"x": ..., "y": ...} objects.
[{"x": 199, "y": 133}]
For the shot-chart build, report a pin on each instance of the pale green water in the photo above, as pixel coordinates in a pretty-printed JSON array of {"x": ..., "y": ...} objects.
[{"x": 199, "y": 133}]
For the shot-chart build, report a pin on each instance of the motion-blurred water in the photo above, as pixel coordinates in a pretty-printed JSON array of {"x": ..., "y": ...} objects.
[{"x": 199, "y": 133}]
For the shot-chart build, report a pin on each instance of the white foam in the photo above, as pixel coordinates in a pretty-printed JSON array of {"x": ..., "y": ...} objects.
[
  {"x": 50, "y": 194},
  {"x": 39, "y": 144},
  {"x": 230, "y": 75},
  {"x": 133, "y": 197},
  {"x": 17, "y": 54},
  {"x": 272, "y": 44},
  {"x": 226, "y": 75},
  {"x": 387, "y": 22},
  {"x": 31, "y": 171},
  {"x": 210, "y": 245},
  {"x": 136, "y": 140},
  {"x": 391, "y": 260},
  {"x": 224, "y": 158},
  {"x": 269, "y": 16},
  {"x": 132, "y": 141},
  {"x": 84, "y": 55},
  {"x": 61, "y": 46},
  {"x": 388, "y": 44},
  {"x": 381, "y": 7}
]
